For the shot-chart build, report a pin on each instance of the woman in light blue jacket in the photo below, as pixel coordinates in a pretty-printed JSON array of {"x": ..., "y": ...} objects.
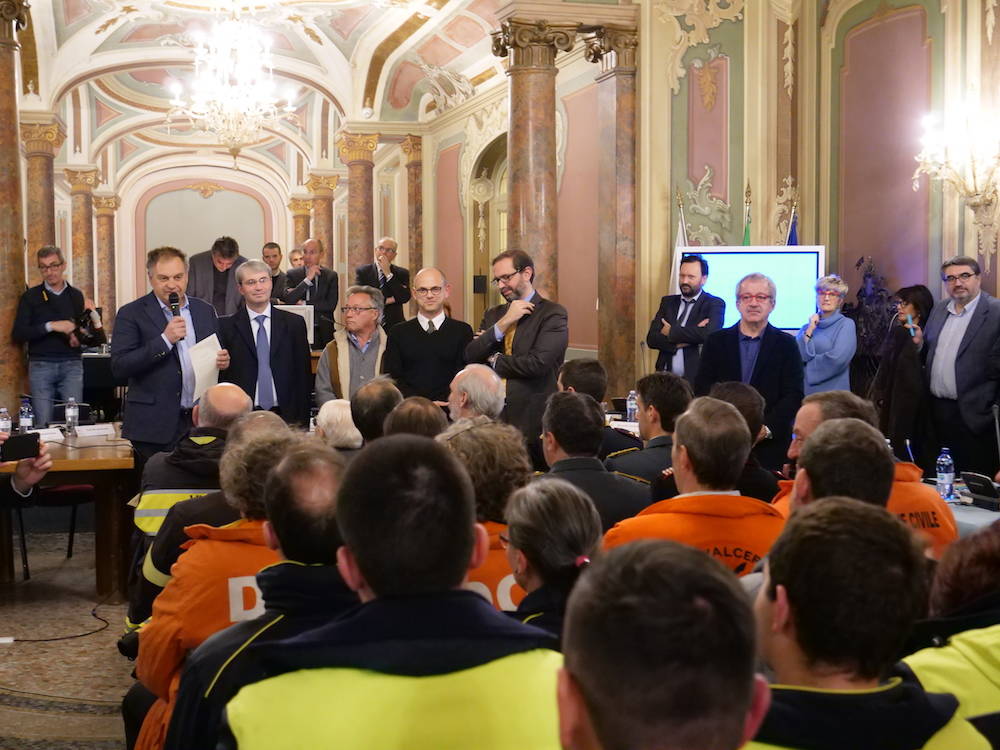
[{"x": 828, "y": 341}]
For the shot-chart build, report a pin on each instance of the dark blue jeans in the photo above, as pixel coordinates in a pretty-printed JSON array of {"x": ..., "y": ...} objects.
[{"x": 51, "y": 381}]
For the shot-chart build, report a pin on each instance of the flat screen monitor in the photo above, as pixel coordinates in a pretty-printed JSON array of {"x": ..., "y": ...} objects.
[{"x": 794, "y": 270}]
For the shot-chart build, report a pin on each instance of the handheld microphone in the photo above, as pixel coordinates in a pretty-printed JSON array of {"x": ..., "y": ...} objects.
[{"x": 174, "y": 301}]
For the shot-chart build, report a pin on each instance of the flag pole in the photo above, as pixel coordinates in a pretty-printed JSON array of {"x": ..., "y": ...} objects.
[
  {"x": 746, "y": 215},
  {"x": 791, "y": 220},
  {"x": 680, "y": 208}
]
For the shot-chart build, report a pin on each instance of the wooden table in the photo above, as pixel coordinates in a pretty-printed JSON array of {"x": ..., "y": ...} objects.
[{"x": 106, "y": 463}]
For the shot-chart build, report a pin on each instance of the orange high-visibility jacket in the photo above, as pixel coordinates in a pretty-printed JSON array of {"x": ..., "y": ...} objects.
[
  {"x": 735, "y": 529},
  {"x": 494, "y": 579},
  {"x": 213, "y": 586},
  {"x": 915, "y": 503}
]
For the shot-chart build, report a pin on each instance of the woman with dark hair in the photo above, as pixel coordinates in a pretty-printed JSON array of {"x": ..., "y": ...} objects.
[
  {"x": 415, "y": 415},
  {"x": 553, "y": 532},
  {"x": 963, "y": 632},
  {"x": 898, "y": 388}
]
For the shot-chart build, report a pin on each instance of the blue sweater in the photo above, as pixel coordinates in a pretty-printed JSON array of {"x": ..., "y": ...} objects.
[{"x": 827, "y": 355}]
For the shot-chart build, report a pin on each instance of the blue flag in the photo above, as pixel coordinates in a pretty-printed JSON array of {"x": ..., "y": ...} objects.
[{"x": 793, "y": 230}]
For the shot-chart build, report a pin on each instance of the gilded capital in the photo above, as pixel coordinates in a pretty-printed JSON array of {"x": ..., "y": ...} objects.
[
  {"x": 412, "y": 147},
  {"x": 42, "y": 139},
  {"x": 106, "y": 205},
  {"x": 533, "y": 44},
  {"x": 322, "y": 184},
  {"x": 13, "y": 18},
  {"x": 614, "y": 49},
  {"x": 356, "y": 146},
  {"x": 83, "y": 180},
  {"x": 301, "y": 206}
]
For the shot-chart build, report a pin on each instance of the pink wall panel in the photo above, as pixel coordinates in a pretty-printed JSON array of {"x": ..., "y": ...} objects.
[
  {"x": 406, "y": 76},
  {"x": 885, "y": 91},
  {"x": 578, "y": 219},
  {"x": 708, "y": 124},
  {"x": 450, "y": 229}
]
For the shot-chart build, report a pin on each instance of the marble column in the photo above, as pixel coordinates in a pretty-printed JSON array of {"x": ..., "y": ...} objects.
[
  {"x": 42, "y": 141},
  {"x": 82, "y": 183},
  {"x": 357, "y": 151},
  {"x": 301, "y": 214},
  {"x": 13, "y": 16},
  {"x": 530, "y": 49},
  {"x": 615, "y": 51},
  {"x": 322, "y": 186},
  {"x": 412, "y": 147},
  {"x": 104, "y": 209}
]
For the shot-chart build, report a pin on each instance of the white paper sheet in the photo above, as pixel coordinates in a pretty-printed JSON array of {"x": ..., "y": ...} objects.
[{"x": 206, "y": 374}]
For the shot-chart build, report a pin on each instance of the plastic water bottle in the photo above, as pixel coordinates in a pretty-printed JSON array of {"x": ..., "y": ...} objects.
[
  {"x": 25, "y": 417},
  {"x": 5, "y": 422},
  {"x": 632, "y": 407},
  {"x": 72, "y": 416},
  {"x": 945, "y": 475}
]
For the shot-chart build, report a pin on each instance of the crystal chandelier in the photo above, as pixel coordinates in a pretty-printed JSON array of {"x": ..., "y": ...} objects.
[
  {"x": 964, "y": 152},
  {"x": 232, "y": 94}
]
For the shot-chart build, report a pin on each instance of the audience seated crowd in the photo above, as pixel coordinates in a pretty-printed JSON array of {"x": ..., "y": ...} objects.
[{"x": 401, "y": 580}]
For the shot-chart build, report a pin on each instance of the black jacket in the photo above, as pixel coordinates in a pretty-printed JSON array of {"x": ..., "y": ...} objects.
[
  {"x": 707, "y": 306},
  {"x": 291, "y": 365},
  {"x": 424, "y": 364},
  {"x": 644, "y": 463},
  {"x": 322, "y": 295},
  {"x": 777, "y": 376},
  {"x": 398, "y": 287},
  {"x": 543, "y": 608},
  {"x": 297, "y": 598},
  {"x": 211, "y": 509},
  {"x": 37, "y": 307},
  {"x": 616, "y": 497}
]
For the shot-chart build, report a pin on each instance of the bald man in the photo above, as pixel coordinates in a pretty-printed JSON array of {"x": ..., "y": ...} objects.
[
  {"x": 314, "y": 284},
  {"x": 423, "y": 354},
  {"x": 392, "y": 281}
]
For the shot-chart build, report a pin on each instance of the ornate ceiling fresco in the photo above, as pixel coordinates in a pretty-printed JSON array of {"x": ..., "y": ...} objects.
[{"x": 105, "y": 67}]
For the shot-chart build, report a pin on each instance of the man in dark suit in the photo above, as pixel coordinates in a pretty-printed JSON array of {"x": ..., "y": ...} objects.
[
  {"x": 524, "y": 341},
  {"x": 755, "y": 352},
  {"x": 961, "y": 348},
  {"x": 268, "y": 349},
  {"x": 392, "y": 281},
  {"x": 571, "y": 437},
  {"x": 271, "y": 254},
  {"x": 151, "y": 347},
  {"x": 424, "y": 353},
  {"x": 662, "y": 397},
  {"x": 212, "y": 275},
  {"x": 316, "y": 285},
  {"x": 685, "y": 321}
]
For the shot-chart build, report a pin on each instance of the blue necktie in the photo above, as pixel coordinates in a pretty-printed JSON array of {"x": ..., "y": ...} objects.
[{"x": 265, "y": 386}]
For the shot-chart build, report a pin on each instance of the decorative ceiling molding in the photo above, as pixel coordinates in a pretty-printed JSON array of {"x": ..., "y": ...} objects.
[
  {"x": 481, "y": 129},
  {"x": 991, "y": 20},
  {"x": 688, "y": 23},
  {"x": 206, "y": 189}
]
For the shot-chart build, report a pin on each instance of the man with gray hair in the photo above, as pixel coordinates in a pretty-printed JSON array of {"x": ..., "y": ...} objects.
[
  {"x": 268, "y": 348},
  {"x": 354, "y": 356},
  {"x": 476, "y": 391},
  {"x": 758, "y": 354}
]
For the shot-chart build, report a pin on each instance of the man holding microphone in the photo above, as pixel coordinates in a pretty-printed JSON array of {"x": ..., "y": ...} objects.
[{"x": 151, "y": 347}]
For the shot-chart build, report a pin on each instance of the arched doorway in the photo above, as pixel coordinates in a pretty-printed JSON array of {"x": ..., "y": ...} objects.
[{"x": 489, "y": 196}]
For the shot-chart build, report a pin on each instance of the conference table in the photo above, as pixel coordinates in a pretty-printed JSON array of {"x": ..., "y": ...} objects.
[{"x": 106, "y": 463}]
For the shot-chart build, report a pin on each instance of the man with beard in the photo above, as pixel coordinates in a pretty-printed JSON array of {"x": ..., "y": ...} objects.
[
  {"x": 524, "y": 341},
  {"x": 684, "y": 321}
]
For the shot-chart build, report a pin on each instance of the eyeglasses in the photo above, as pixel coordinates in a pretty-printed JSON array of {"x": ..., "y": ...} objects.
[
  {"x": 745, "y": 298},
  {"x": 504, "y": 540},
  {"x": 385, "y": 249},
  {"x": 505, "y": 279},
  {"x": 959, "y": 277},
  {"x": 347, "y": 310},
  {"x": 423, "y": 291},
  {"x": 253, "y": 282},
  {"x": 828, "y": 293},
  {"x": 51, "y": 266}
]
